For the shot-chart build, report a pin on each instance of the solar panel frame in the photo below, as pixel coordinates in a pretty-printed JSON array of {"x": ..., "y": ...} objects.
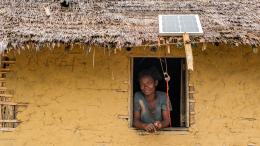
[{"x": 162, "y": 28}]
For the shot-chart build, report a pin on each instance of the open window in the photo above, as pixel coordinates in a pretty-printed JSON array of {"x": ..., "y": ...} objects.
[{"x": 178, "y": 87}]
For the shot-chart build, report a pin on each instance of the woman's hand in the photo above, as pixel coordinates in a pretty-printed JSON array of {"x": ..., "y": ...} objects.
[
  {"x": 157, "y": 124},
  {"x": 150, "y": 127}
]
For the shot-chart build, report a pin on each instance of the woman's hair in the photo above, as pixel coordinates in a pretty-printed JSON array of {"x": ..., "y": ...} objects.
[{"x": 152, "y": 72}]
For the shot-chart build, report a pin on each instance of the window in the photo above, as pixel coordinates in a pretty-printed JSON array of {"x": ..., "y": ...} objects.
[{"x": 178, "y": 87}]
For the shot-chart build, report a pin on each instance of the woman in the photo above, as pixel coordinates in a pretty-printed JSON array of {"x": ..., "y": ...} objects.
[{"x": 151, "y": 107}]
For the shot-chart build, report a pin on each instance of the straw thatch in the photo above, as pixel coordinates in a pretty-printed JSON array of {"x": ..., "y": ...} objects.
[{"x": 123, "y": 21}]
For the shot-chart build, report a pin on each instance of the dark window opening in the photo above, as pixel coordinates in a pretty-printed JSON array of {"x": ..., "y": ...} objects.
[{"x": 177, "y": 84}]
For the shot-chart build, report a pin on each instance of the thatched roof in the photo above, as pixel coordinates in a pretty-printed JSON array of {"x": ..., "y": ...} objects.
[{"x": 123, "y": 21}]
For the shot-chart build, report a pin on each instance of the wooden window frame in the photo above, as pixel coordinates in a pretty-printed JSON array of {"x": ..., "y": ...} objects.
[{"x": 178, "y": 130}]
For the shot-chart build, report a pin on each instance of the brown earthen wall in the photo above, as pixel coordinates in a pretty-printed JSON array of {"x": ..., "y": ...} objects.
[{"x": 73, "y": 103}]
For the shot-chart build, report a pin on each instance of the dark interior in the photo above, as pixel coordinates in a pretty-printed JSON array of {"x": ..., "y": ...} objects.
[{"x": 174, "y": 70}]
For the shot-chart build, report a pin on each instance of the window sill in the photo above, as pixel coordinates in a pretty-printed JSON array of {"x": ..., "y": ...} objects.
[{"x": 171, "y": 130}]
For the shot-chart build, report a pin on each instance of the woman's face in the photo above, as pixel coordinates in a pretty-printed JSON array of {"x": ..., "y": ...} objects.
[{"x": 148, "y": 85}]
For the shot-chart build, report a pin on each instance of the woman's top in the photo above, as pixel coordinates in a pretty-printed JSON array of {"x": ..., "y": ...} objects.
[{"x": 150, "y": 114}]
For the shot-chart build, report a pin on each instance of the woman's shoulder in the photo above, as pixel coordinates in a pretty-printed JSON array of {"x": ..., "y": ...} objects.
[
  {"x": 161, "y": 95},
  {"x": 138, "y": 95}
]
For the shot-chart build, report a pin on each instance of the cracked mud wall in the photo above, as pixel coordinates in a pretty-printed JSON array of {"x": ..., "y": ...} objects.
[
  {"x": 74, "y": 104},
  {"x": 228, "y": 81}
]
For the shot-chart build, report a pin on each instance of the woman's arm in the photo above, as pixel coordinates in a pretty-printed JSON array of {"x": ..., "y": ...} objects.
[
  {"x": 137, "y": 121},
  {"x": 140, "y": 125},
  {"x": 166, "y": 119},
  {"x": 165, "y": 122}
]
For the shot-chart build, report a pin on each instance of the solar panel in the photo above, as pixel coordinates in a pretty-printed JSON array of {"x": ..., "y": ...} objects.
[{"x": 174, "y": 25}]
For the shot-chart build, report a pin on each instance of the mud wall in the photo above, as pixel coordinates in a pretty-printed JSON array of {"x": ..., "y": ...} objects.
[{"x": 77, "y": 102}]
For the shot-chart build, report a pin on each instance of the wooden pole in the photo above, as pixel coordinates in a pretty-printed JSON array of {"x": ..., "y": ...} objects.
[
  {"x": 1, "y": 124},
  {"x": 168, "y": 47},
  {"x": 188, "y": 51}
]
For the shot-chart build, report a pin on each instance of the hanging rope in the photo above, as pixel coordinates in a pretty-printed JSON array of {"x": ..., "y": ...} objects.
[{"x": 167, "y": 78}]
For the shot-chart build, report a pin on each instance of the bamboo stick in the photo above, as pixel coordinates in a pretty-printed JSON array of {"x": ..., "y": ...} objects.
[
  {"x": 6, "y": 95},
  {"x": 7, "y": 129},
  {"x": 13, "y": 103},
  {"x": 3, "y": 88},
  {"x": 2, "y": 79},
  {"x": 5, "y": 69},
  {"x": 10, "y": 121},
  {"x": 8, "y": 62}
]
